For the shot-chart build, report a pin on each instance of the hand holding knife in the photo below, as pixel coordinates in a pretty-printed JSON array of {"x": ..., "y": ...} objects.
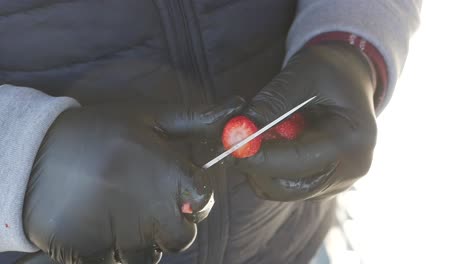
[{"x": 186, "y": 207}]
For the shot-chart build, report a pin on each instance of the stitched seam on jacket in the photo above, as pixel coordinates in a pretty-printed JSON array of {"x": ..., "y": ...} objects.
[
  {"x": 38, "y": 7},
  {"x": 207, "y": 78},
  {"x": 321, "y": 231},
  {"x": 106, "y": 56},
  {"x": 222, "y": 6}
]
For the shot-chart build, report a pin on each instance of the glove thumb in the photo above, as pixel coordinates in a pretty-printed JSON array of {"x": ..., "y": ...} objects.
[{"x": 197, "y": 121}]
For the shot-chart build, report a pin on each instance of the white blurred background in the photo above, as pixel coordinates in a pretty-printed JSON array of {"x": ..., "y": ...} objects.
[{"x": 412, "y": 206}]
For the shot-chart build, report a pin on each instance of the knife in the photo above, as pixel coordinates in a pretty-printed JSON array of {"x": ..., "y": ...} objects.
[{"x": 254, "y": 135}]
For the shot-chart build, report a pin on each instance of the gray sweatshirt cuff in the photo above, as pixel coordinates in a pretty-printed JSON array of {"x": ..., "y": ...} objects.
[
  {"x": 25, "y": 116},
  {"x": 386, "y": 24}
]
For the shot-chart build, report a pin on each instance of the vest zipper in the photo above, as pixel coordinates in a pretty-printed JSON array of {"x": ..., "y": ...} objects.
[{"x": 188, "y": 57}]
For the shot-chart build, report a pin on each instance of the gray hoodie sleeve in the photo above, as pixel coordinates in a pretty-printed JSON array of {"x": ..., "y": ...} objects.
[
  {"x": 25, "y": 116},
  {"x": 386, "y": 24}
]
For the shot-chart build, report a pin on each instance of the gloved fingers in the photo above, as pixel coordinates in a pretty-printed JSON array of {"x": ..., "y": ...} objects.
[
  {"x": 332, "y": 152},
  {"x": 196, "y": 194},
  {"x": 322, "y": 71},
  {"x": 200, "y": 120},
  {"x": 36, "y": 258},
  {"x": 149, "y": 255},
  {"x": 273, "y": 101},
  {"x": 291, "y": 87},
  {"x": 172, "y": 229},
  {"x": 314, "y": 186},
  {"x": 285, "y": 190},
  {"x": 327, "y": 140},
  {"x": 176, "y": 235},
  {"x": 307, "y": 155}
]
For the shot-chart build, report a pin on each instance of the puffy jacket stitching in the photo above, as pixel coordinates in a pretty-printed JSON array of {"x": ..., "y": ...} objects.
[
  {"x": 207, "y": 78},
  {"x": 222, "y": 6},
  {"x": 328, "y": 217},
  {"x": 38, "y": 7},
  {"x": 107, "y": 56}
]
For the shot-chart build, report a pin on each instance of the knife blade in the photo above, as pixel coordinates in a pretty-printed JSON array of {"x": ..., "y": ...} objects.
[{"x": 254, "y": 135}]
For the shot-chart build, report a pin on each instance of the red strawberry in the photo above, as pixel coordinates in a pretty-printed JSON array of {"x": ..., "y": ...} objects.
[
  {"x": 298, "y": 118},
  {"x": 237, "y": 129},
  {"x": 291, "y": 128},
  {"x": 187, "y": 208},
  {"x": 270, "y": 134}
]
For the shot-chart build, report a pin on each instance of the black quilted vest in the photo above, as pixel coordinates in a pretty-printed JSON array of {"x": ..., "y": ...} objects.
[{"x": 188, "y": 51}]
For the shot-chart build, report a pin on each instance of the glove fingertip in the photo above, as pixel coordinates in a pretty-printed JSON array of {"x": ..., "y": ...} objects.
[
  {"x": 262, "y": 114},
  {"x": 226, "y": 109},
  {"x": 235, "y": 103},
  {"x": 148, "y": 255},
  {"x": 254, "y": 160},
  {"x": 178, "y": 236}
]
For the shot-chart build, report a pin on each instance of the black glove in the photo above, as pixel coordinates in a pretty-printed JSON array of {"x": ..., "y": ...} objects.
[
  {"x": 105, "y": 188},
  {"x": 337, "y": 145}
]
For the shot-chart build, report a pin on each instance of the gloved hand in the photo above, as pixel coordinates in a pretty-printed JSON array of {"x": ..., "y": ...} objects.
[
  {"x": 106, "y": 188},
  {"x": 337, "y": 145}
]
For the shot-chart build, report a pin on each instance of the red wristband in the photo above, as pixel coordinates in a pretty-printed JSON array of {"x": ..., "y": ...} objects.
[{"x": 376, "y": 59}]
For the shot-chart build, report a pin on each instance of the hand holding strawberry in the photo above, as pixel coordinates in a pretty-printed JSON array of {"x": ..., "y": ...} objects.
[
  {"x": 240, "y": 127},
  {"x": 289, "y": 129},
  {"x": 335, "y": 148}
]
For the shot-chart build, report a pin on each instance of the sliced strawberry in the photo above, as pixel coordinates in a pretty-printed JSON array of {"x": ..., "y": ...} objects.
[
  {"x": 292, "y": 127},
  {"x": 237, "y": 129},
  {"x": 299, "y": 120},
  {"x": 187, "y": 208}
]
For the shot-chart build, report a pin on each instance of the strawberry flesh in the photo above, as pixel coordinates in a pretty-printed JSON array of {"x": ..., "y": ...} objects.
[
  {"x": 240, "y": 127},
  {"x": 237, "y": 129}
]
